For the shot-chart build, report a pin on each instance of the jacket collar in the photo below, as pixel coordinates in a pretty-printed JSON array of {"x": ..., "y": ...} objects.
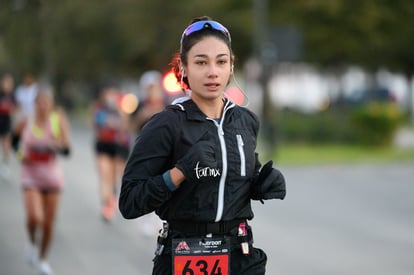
[{"x": 187, "y": 105}]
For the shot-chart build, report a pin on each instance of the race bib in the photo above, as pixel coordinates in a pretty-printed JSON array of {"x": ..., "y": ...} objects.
[{"x": 196, "y": 256}]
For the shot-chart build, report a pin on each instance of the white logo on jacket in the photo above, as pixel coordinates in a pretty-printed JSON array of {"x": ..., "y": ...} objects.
[{"x": 206, "y": 171}]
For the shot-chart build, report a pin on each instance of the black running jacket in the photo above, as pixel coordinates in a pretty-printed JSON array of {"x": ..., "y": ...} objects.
[{"x": 166, "y": 138}]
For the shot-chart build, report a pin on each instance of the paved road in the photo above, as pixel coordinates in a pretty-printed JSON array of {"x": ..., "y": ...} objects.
[{"x": 352, "y": 219}]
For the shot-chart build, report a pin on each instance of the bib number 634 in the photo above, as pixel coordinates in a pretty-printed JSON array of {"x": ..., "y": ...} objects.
[{"x": 201, "y": 265}]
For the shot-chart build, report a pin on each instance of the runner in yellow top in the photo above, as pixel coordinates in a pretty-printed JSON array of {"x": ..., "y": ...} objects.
[{"x": 43, "y": 137}]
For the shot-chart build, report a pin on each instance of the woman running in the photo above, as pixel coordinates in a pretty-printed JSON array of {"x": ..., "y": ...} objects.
[
  {"x": 43, "y": 138},
  {"x": 112, "y": 144},
  {"x": 8, "y": 106},
  {"x": 195, "y": 164}
]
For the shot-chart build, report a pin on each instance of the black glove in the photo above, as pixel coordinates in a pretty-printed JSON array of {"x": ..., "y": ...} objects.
[
  {"x": 15, "y": 140},
  {"x": 64, "y": 151},
  {"x": 268, "y": 184},
  {"x": 200, "y": 161}
]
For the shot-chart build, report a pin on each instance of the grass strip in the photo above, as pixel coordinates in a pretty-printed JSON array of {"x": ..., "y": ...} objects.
[{"x": 300, "y": 154}]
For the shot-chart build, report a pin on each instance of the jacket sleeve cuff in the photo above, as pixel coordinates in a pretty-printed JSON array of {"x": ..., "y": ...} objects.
[{"x": 168, "y": 181}]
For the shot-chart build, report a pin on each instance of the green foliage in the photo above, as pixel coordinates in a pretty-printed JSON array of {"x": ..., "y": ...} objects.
[
  {"x": 330, "y": 126},
  {"x": 370, "y": 33},
  {"x": 89, "y": 40},
  {"x": 93, "y": 39},
  {"x": 375, "y": 123}
]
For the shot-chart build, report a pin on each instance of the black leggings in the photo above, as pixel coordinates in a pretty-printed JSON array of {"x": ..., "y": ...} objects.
[{"x": 112, "y": 150}]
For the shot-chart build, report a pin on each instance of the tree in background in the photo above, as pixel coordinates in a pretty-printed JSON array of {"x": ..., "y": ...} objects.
[{"x": 91, "y": 40}]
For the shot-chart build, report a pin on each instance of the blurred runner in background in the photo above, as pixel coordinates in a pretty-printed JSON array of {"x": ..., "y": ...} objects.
[
  {"x": 153, "y": 101},
  {"x": 112, "y": 145},
  {"x": 153, "y": 98},
  {"x": 43, "y": 136},
  {"x": 25, "y": 96},
  {"x": 7, "y": 108}
]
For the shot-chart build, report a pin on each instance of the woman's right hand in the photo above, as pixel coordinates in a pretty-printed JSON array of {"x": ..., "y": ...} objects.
[{"x": 199, "y": 162}]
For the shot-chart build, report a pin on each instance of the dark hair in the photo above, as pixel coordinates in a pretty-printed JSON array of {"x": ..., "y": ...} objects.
[{"x": 180, "y": 57}]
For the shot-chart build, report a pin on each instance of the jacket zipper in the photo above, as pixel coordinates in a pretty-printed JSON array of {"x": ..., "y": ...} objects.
[
  {"x": 240, "y": 145},
  {"x": 220, "y": 132}
]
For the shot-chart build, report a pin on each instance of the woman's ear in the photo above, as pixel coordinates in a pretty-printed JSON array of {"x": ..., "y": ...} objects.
[{"x": 182, "y": 69}]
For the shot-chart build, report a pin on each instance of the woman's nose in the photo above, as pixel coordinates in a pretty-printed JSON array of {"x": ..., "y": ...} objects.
[{"x": 212, "y": 71}]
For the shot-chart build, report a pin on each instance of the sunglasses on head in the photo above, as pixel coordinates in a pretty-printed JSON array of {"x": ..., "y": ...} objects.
[{"x": 205, "y": 24}]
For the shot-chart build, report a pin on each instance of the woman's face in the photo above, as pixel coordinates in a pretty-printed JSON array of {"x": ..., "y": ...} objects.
[
  {"x": 7, "y": 84},
  {"x": 44, "y": 103},
  {"x": 110, "y": 98},
  {"x": 208, "y": 68}
]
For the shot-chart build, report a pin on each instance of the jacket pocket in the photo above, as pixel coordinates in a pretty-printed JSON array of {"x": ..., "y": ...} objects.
[{"x": 240, "y": 145}]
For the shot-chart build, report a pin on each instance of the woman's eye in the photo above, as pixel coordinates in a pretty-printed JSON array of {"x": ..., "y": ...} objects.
[{"x": 201, "y": 62}]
